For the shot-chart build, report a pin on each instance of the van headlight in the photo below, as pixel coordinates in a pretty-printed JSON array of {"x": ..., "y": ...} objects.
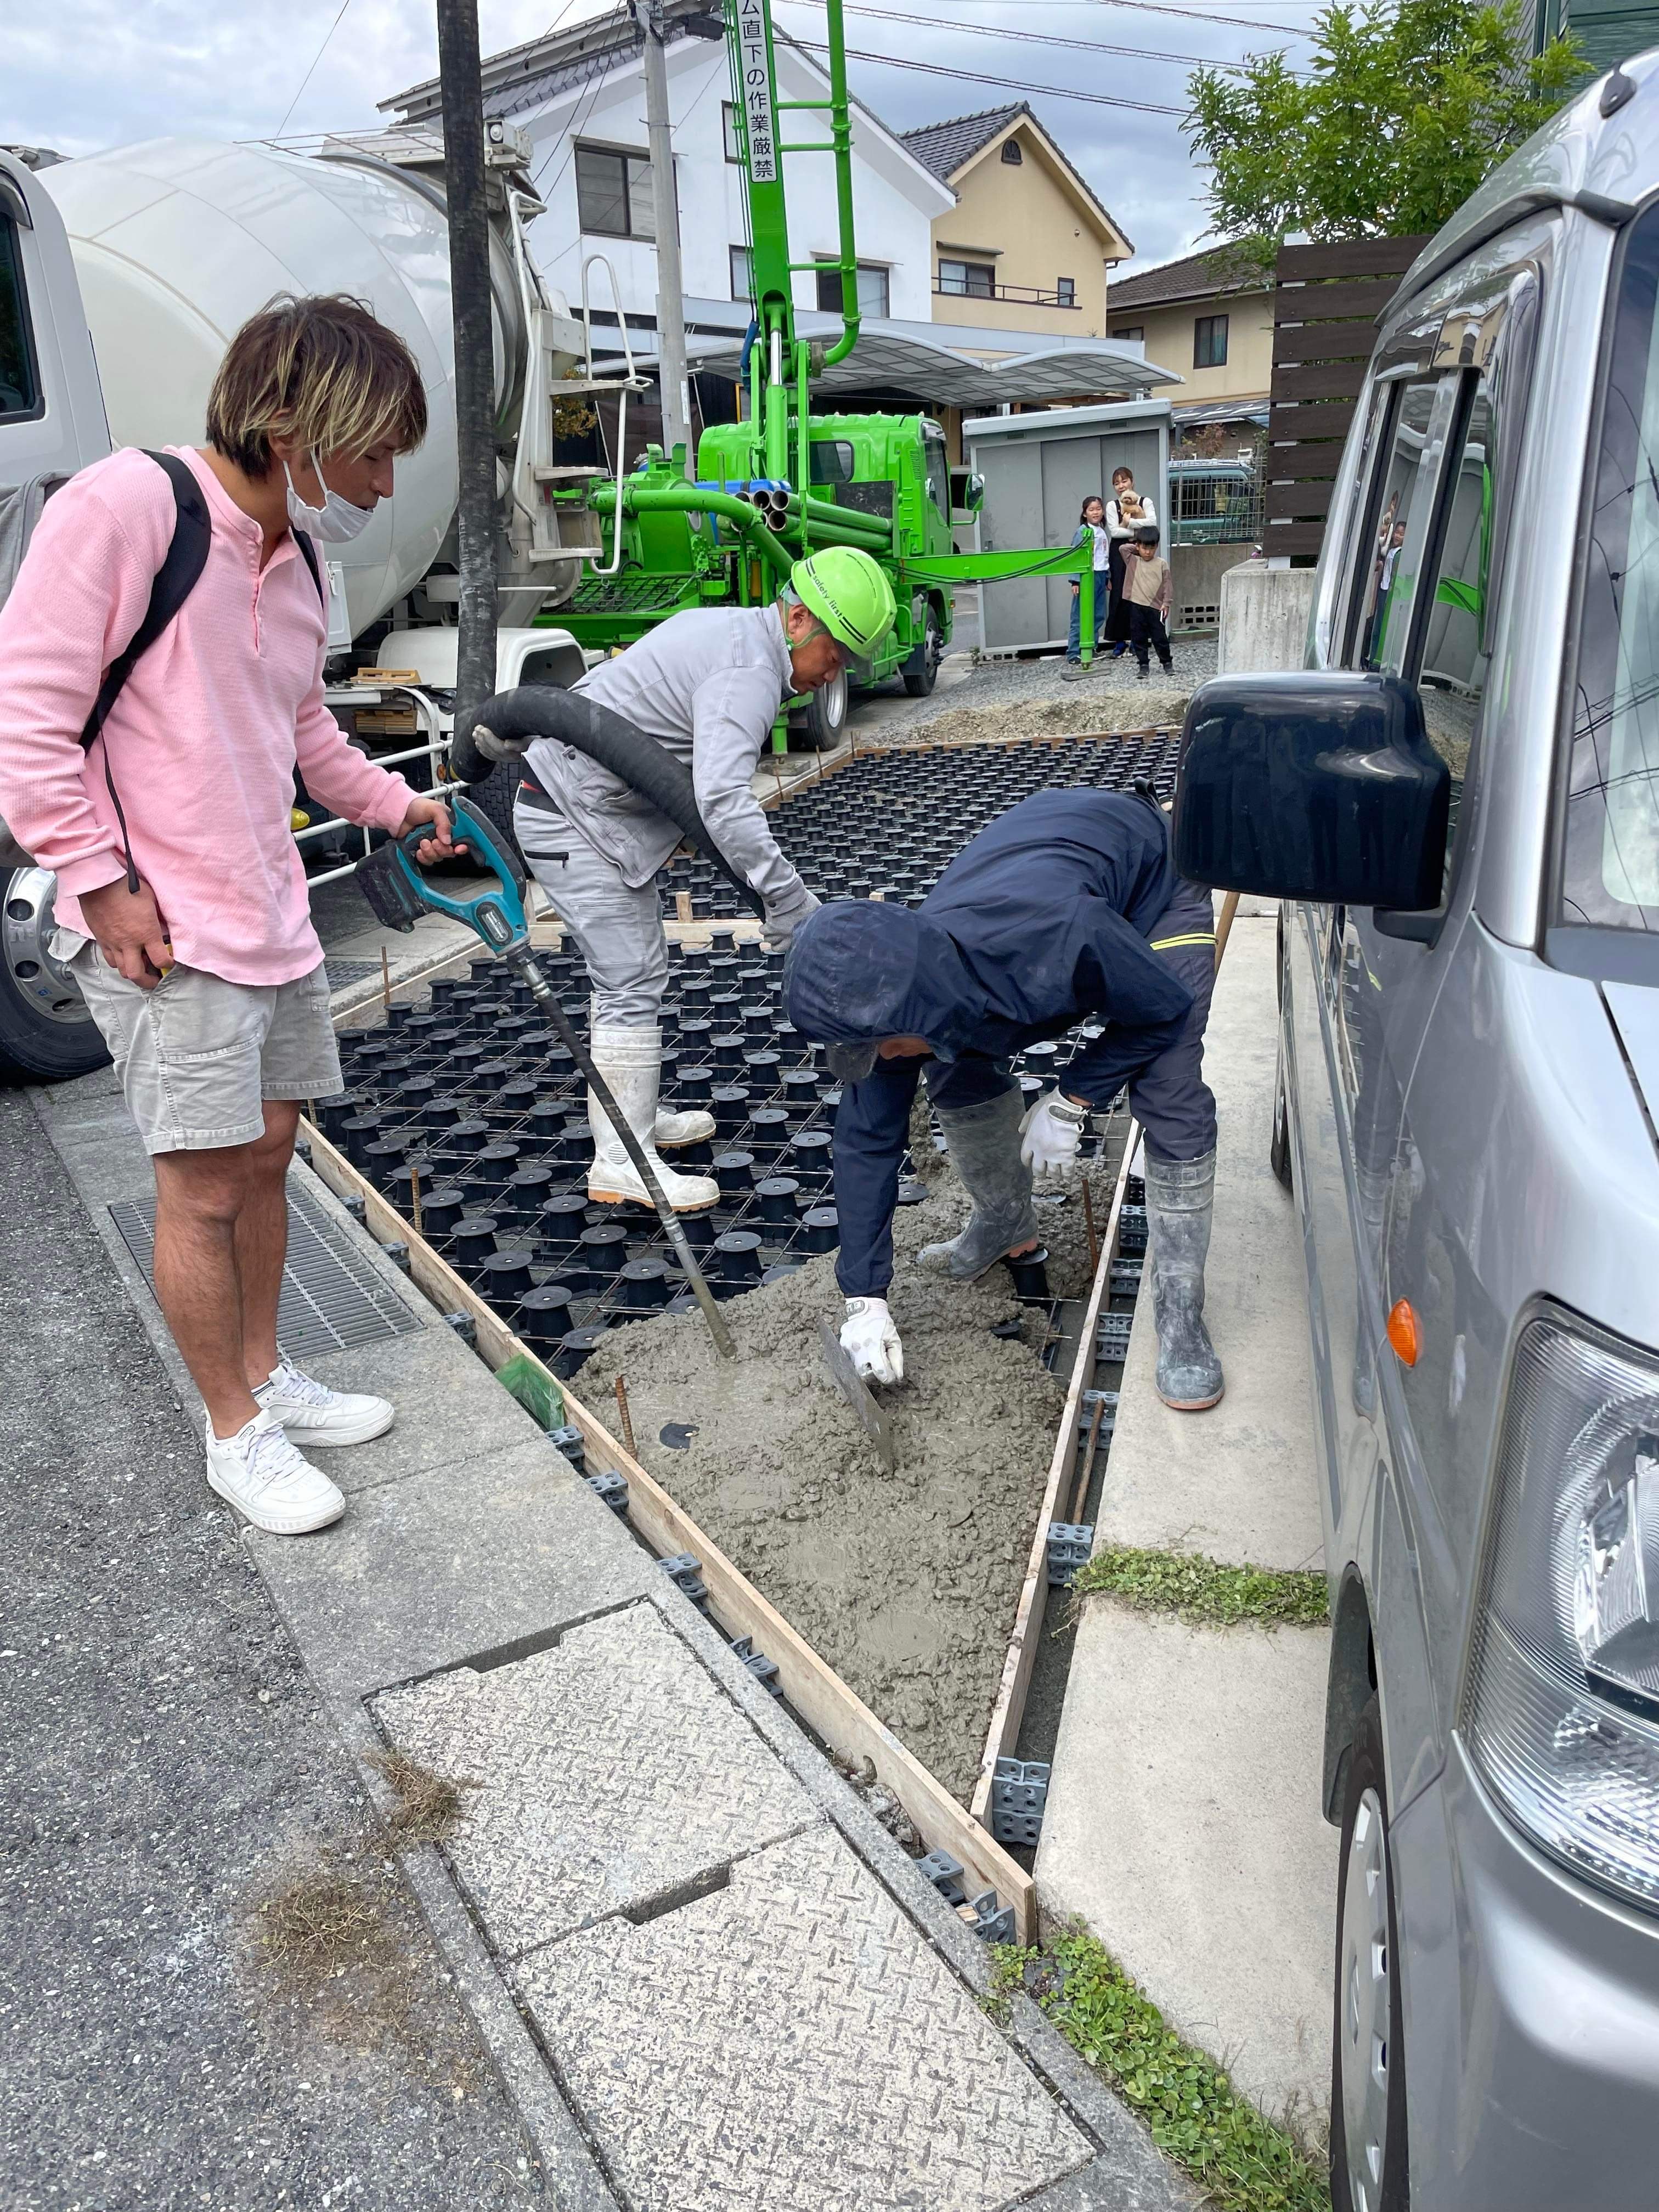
[{"x": 1561, "y": 1710}]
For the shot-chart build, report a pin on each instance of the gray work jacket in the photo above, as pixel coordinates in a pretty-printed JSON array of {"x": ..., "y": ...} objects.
[{"x": 707, "y": 684}]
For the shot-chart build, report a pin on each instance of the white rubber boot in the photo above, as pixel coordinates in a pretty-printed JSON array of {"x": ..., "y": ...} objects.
[
  {"x": 690, "y": 1129},
  {"x": 630, "y": 1061}
]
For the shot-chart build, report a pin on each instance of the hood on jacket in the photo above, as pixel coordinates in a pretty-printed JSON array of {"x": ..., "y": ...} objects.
[{"x": 860, "y": 970}]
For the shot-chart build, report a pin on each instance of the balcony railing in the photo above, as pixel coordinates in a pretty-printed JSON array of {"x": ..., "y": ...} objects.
[{"x": 1024, "y": 296}]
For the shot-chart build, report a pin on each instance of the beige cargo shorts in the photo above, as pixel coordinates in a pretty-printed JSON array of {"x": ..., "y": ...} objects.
[{"x": 198, "y": 1056}]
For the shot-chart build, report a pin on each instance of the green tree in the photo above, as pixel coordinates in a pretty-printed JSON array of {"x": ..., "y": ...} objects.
[{"x": 1409, "y": 105}]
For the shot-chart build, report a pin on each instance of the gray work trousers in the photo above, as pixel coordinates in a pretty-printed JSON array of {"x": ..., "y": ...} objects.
[{"x": 619, "y": 930}]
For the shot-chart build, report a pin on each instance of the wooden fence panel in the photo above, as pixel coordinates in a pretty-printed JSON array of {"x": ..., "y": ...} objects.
[{"x": 1326, "y": 301}]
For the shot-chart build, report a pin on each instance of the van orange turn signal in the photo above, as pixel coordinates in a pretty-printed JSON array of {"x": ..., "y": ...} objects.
[{"x": 1404, "y": 1333}]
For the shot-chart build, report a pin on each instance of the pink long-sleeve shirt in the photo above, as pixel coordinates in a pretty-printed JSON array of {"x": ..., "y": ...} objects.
[{"x": 204, "y": 739}]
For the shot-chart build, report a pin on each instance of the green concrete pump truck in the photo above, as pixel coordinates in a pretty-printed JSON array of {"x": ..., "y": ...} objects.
[{"x": 784, "y": 481}]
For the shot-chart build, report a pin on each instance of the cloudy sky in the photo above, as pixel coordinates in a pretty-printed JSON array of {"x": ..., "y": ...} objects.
[{"x": 85, "y": 73}]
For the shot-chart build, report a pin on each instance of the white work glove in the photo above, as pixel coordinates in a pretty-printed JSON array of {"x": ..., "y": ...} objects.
[
  {"x": 871, "y": 1341},
  {"x": 782, "y": 921},
  {"x": 497, "y": 748},
  {"x": 1050, "y": 1134}
]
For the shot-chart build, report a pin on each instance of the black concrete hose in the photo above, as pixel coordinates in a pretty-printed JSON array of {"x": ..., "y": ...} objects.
[{"x": 514, "y": 718}]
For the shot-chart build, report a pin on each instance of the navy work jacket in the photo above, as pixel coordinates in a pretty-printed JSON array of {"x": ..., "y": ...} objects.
[{"x": 1041, "y": 922}]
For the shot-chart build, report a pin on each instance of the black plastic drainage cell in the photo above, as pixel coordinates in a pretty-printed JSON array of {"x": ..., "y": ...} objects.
[{"x": 473, "y": 1105}]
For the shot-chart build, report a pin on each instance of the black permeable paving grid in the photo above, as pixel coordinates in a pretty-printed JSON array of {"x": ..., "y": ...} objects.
[
  {"x": 470, "y": 1106},
  {"x": 331, "y": 1298}
]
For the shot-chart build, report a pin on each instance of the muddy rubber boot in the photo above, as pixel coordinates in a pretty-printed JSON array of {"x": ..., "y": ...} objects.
[
  {"x": 984, "y": 1150},
  {"x": 631, "y": 1062},
  {"x": 670, "y": 1129},
  {"x": 1179, "y": 1194}
]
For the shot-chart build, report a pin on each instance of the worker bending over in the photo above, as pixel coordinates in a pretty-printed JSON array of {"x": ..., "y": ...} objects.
[
  {"x": 708, "y": 685},
  {"x": 1066, "y": 907}
]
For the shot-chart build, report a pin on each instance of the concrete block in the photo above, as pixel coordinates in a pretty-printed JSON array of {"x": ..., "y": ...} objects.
[
  {"x": 791, "y": 2041},
  {"x": 1264, "y": 618},
  {"x": 1240, "y": 1482},
  {"x": 614, "y": 1775},
  {"x": 464, "y": 1559},
  {"x": 1183, "y": 1825},
  {"x": 450, "y": 1407}
]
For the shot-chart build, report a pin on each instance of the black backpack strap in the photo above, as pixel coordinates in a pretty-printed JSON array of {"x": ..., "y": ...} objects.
[
  {"x": 308, "y": 555},
  {"x": 175, "y": 580}
]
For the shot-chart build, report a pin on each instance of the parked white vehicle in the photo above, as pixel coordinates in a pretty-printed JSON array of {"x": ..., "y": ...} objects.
[{"x": 123, "y": 278}]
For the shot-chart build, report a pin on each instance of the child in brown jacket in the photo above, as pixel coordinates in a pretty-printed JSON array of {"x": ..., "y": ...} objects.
[{"x": 1148, "y": 590}]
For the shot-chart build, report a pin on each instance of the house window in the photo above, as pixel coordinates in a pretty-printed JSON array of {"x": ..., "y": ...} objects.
[
  {"x": 1130, "y": 331},
  {"x": 967, "y": 280},
  {"x": 743, "y": 271},
  {"x": 1065, "y": 292},
  {"x": 1010, "y": 152},
  {"x": 872, "y": 287},
  {"x": 613, "y": 193},
  {"x": 1210, "y": 341},
  {"x": 729, "y": 129}
]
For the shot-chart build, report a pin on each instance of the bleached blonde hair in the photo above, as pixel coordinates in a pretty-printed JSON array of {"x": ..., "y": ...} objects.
[{"x": 320, "y": 370}]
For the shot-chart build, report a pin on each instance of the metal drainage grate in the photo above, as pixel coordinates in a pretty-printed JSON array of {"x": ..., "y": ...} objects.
[
  {"x": 332, "y": 1298},
  {"x": 343, "y": 973}
]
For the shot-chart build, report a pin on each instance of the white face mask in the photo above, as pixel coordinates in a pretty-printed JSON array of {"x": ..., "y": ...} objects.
[{"x": 335, "y": 522}]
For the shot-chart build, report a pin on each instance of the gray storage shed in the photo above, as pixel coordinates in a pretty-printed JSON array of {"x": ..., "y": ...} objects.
[{"x": 1038, "y": 468}]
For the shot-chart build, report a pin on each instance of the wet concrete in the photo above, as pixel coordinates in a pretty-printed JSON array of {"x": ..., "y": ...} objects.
[{"x": 906, "y": 1584}]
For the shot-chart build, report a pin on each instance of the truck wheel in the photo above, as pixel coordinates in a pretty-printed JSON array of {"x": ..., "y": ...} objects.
[
  {"x": 1278, "y": 1150},
  {"x": 1369, "y": 2168},
  {"x": 920, "y": 671},
  {"x": 46, "y": 1032},
  {"x": 494, "y": 798},
  {"x": 821, "y": 728}
]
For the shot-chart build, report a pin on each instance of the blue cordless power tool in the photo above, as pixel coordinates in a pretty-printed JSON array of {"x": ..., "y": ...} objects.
[{"x": 400, "y": 891}]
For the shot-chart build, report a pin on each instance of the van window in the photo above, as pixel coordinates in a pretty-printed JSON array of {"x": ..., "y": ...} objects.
[
  {"x": 1408, "y": 477},
  {"x": 1451, "y": 672},
  {"x": 20, "y": 384},
  {"x": 1610, "y": 851}
]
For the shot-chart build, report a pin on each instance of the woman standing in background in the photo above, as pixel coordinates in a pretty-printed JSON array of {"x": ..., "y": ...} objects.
[{"x": 1126, "y": 511}]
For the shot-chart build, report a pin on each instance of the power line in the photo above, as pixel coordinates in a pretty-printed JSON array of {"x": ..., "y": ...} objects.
[
  {"x": 315, "y": 58},
  {"x": 1035, "y": 38},
  {"x": 1193, "y": 15},
  {"x": 1006, "y": 84}
]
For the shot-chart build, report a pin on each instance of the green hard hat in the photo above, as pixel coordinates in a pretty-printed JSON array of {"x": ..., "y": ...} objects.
[{"x": 850, "y": 593}]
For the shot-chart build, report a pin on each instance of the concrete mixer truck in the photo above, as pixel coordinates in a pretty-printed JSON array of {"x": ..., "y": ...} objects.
[{"x": 122, "y": 279}]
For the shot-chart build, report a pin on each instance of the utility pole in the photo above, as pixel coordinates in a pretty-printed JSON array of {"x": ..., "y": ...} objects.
[
  {"x": 462, "y": 86},
  {"x": 670, "y": 296}
]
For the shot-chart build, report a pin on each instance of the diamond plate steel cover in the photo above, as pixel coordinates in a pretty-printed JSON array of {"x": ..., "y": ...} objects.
[
  {"x": 613, "y": 1774},
  {"x": 790, "y": 2043}
]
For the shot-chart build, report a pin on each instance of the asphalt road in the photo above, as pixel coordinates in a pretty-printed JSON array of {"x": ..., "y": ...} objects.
[{"x": 164, "y": 1773}]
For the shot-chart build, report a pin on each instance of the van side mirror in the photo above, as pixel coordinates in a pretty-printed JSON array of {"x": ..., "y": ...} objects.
[{"x": 1313, "y": 784}]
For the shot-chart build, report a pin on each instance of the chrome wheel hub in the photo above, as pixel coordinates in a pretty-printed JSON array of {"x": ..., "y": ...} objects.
[
  {"x": 1363, "y": 1994},
  {"x": 833, "y": 697},
  {"x": 25, "y": 928}
]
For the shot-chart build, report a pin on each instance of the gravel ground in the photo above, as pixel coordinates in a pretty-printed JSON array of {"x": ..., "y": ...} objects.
[
  {"x": 214, "y": 1988},
  {"x": 995, "y": 686}
]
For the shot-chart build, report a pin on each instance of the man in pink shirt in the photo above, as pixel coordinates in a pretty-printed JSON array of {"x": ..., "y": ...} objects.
[{"x": 181, "y": 901}]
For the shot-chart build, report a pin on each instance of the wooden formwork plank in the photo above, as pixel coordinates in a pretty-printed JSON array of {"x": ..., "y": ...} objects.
[
  {"x": 811, "y": 1686},
  {"x": 1009, "y": 1710}
]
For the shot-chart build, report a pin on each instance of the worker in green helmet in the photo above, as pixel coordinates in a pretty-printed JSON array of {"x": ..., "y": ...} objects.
[{"x": 707, "y": 684}]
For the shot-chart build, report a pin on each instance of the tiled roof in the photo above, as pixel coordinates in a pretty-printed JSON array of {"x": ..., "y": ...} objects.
[
  {"x": 944, "y": 147},
  {"x": 1194, "y": 277}
]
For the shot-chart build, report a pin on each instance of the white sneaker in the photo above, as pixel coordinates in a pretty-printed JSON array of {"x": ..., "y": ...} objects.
[
  {"x": 263, "y": 1476},
  {"x": 312, "y": 1414}
]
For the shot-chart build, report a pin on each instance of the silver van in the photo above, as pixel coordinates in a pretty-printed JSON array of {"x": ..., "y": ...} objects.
[{"x": 1459, "y": 804}]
